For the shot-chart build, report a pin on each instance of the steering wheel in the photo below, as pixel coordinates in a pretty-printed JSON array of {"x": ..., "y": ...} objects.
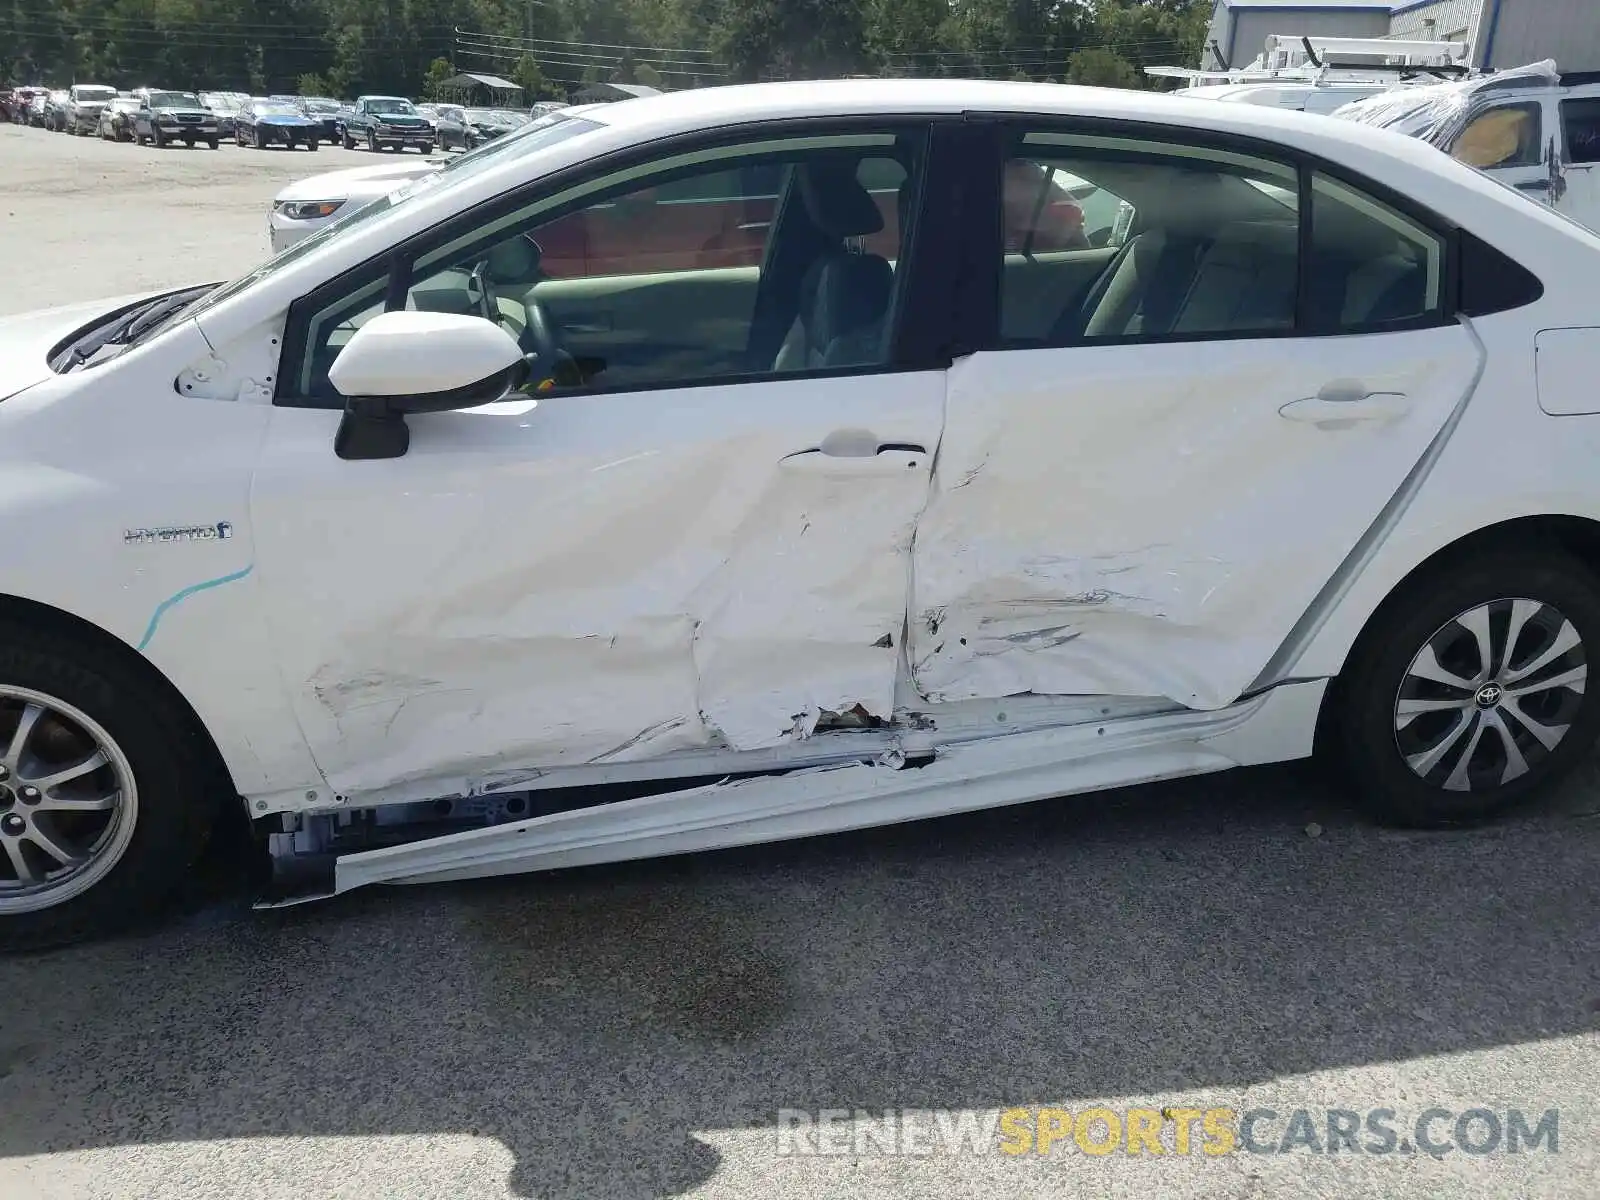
[{"x": 541, "y": 345}]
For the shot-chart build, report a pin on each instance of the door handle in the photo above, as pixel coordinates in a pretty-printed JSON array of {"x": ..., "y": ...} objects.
[
  {"x": 856, "y": 452},
  {"x": 1533, "y": 185},
  {"x": 1346, "y": 400}
]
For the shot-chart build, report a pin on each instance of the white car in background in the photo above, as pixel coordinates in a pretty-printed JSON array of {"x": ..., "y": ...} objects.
[
  {"x": 732, "y": 465},
  {"x": 308, "y": 204}
]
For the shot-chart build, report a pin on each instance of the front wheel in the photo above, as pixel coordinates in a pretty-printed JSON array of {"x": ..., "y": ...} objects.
[
  {"x": 214, "y": 143},
  {"x": 103, "y": 791},
  {"x": 160, "y": 140},
  {"x": 345, "y": 140},
  {"x": 1470, "y": 694}
]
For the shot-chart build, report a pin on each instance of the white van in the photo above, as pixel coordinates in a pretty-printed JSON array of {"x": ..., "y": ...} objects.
[{"x": 1531, "y": 128}]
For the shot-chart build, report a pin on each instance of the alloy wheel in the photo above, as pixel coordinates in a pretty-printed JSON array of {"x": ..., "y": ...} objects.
[
  {"x": 1491, "y": 695},
  {"x": 68, "y": 802}
]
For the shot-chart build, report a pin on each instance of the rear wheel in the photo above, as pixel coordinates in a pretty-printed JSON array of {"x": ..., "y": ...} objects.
[
  {"x": 103, "y": 791},
  {"x": 345, "y": 140},
  {"x": 214, "y": 143},
  {"x": 1470, "y": 695}
]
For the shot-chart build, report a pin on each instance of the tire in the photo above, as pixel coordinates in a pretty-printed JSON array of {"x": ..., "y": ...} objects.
[
  {"x": 189, "y": 142},
  {"x": 345, "y": 140},
  {"x": 214, "y": 143},
  {"x": 160, "y": 139},
  {"x": 156, "y": 772},
  {"x": 372, "y": 143},
  {"x": 313, "y": 144},
  {"x": 1415, "y": 770}
]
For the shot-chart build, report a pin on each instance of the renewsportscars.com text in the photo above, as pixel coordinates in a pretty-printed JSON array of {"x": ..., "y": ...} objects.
[{"x": 1175, "y": 1131}]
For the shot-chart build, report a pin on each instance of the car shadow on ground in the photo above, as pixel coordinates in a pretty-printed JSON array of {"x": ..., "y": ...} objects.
[{"x": 1211, "y": 933}]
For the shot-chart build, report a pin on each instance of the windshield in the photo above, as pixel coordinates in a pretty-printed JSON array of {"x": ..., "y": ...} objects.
[
  {"x": 218, "y": 100},
  {"x": 535, "y": 136},
  {"x": 174, "y": 100},
  {"x": 323, "y": 106},
  {"x": 96, "y": 93},
  {"x": 125, "y": 104},
  {"x": 391, "y": 104},
  {"x": 275, "y": 108}
]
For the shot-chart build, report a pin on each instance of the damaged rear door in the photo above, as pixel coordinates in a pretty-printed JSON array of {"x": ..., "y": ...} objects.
[
  {"x": 1145, "y": 499},
  {"x": 681, "y": 548}
]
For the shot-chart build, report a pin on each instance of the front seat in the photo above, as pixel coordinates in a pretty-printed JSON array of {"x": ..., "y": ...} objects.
[{"x": 845, "y": 293}]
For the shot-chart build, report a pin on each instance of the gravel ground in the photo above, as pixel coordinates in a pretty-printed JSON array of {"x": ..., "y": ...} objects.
[
  {"x": 632, "y": 1032},
  {"x": 81, "y": 218}
]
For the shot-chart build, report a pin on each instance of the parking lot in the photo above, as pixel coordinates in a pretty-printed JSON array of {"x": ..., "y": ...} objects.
[
  {"x": 633, "y": 1032},
  {"x": 129, "y": 218}
]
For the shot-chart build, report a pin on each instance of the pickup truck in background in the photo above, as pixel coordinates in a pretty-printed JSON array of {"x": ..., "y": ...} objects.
[{"x": 385, "y": 123}]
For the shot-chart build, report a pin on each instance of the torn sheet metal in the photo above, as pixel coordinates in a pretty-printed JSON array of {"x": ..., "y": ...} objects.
[
  {"x": 996, "y": 771},
  {"x": 589, "y": 580},
  {"x": 1144, "y": 521}
]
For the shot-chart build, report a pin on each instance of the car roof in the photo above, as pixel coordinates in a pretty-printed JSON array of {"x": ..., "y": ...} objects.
[{"x": 734, "y": 104}]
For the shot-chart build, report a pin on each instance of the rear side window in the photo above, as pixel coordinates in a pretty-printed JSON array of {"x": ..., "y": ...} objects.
[
  {"x": 1114, "y": 239},
  {"x": 1510, "y": 135},
  {"x": 1153, "y": 242},
  {"x": 1581, "y": 119},
  {"x": 1371, "y": 267}
]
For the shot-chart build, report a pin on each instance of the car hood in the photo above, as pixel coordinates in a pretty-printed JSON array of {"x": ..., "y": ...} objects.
[
  {"x": 285, "y": 119},
  {"x": 397, "y": 118},
  {"x": 182, "y": 110},
  {"x": 358, "y": 181},
  {"x": 27, "y": 338}
]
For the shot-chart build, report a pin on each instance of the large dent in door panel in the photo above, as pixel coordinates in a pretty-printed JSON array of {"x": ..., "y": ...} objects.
[
  {"x": 696, "y": 598},
  {"x": 1154, "y": 527}
]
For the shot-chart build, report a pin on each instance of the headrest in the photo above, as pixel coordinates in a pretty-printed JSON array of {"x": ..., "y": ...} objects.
[
  {"x": 853, "y": 291},
  {"x": 835, "y": 200},
  {"x": 515, "y": 260}
]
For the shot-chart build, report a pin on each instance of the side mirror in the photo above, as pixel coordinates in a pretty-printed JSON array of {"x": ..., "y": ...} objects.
[{"x": 417, "y": 362}]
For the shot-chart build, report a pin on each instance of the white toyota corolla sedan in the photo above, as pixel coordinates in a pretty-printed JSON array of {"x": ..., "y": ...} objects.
[{"x": 798, "y": 458}]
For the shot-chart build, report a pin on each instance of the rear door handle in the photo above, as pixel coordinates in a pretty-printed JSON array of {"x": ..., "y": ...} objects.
[{"x": 1346, "y": 400}]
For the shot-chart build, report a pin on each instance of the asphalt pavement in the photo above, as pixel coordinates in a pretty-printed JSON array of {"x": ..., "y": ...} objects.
[{"x": 1240, "y": 942}]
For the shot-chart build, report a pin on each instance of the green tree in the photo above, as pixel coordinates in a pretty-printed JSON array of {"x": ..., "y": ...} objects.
[
  {"x": 439, "y": 70},
  {"x": 1099, "y": 67},
  {"x": 534, "y": 83},
  {"x": 646, "y": 74}
]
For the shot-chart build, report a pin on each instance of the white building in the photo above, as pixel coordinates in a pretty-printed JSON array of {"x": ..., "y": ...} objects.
[{"x": 1502, "y": 33}]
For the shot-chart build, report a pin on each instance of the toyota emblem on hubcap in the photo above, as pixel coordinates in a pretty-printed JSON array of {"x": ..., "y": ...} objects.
[{"x": 1489, "y": 695}]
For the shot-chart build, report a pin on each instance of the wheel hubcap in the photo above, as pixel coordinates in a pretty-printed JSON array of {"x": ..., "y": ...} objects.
[
  {"x": 1491, "y": 695},
  {"x": 67, "y": 801}
]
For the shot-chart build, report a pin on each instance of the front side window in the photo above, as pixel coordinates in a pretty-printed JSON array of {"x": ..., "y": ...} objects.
[
  {"x": 769, "y": 257},
  {"x": 1507, "y": 136}
]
